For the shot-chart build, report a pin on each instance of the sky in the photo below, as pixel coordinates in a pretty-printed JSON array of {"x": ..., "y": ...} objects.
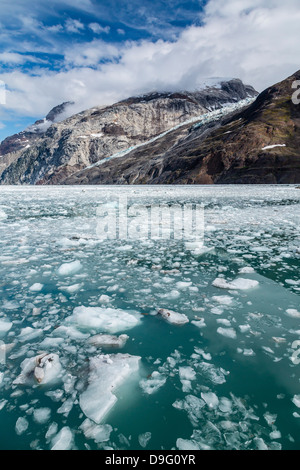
[{"x": 96, "y": 52}]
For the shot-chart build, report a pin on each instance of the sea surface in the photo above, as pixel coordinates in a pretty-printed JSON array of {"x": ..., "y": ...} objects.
[{"x": 222, "y": 372}]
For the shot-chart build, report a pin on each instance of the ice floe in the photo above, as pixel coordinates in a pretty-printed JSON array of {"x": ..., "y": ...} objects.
[
  {"x": 107, "y": 373},
  {"x": 172, "y": 317},
  {"x": 104, "y": 319}
]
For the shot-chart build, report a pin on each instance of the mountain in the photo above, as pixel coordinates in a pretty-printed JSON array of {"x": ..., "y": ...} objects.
[
  {"x": 259, "y": 144},
  {"x": 60, "y": 152}
]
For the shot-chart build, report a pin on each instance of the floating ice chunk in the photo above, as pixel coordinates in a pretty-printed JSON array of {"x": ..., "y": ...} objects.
[
  {"x": 154, "y": 383},
  {"x": 210, "y": 399},
  {"x": 270, "y": 418},
  {"x": 107, "y": 372},
  {"x": 187, "y": 373},
  {"x": 71, "y": 289},
  {"x": 183, "y": 285},
  {"x": 104, "y": 299},
  {"x": 246, "y": 270},
  {"x": 225, "y": 405},
  {"x": 66, "y": 407},
  {"x": 291, "y": 312},
  {"x": 296, "y": 400},
  {"x": 185, "y": 444},
  {"x": 70, "y": 332},
  {"x": 52, "y": 430},
  {"x": 144, "y": 439},
  {"x": 173, "y": 317},
  {"x": 5, "y": 326},
  {"x": 68, "y": 269},
  {"x": 21, "y": 425},
  {"x": 97, "y": 432},
  {"x": 3, "y": 215},
  {"x": 63, "y": 440},
  {"x": 214, "y": 374},
  {"x": 248, "y": 352},
  {"x": 108, "y": 341},
  {"x": 260, "y": 444},
  {"x": 223, "y": 321},
  {"x": 106, "y": 319},
  {"x": 275, "y": 434},
  {"x": 36, "y": 287},
  {"x": 41, "y": 415},
  {"x": 199, "y": 323},
  {"x": 45, "y": 368},
  {"x": 216, "y": 311},
  {"x": 223, "y": 299},
  {"x": 228, "y": 332},
  {"x": 51, "y": 342},
  {"x": 244, "y": 328},
  {"x": 239, "y": 283},
  {"x": 193, "y": 406},
  {"x": 28, "y": 334}
]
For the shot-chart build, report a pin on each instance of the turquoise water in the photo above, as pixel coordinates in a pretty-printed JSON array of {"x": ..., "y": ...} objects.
[{"x": 227, "y": 381}]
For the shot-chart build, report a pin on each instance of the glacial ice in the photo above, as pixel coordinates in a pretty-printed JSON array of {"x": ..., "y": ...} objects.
[
  {"x": 108, "y": 341},
  {"x": 107, "y": 373},
  {"x": 104, "y": 319},
  {"x": 63, "y": 440},
  {"x": 172, "y": 317},
  {"x": 237, "y": 284},
  {"x": 68, "y": 269}
]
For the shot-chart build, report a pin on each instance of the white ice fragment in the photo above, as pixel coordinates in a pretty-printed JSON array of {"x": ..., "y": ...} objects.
[
  {"x": 36, "y": 287},
  {"x": 275, "y": 434},
  {"x": 244, "y": 328},
  {"x": 246, "y": 270},
  {"x": 5, "y": 326},
  {"x": 239, "y": 283},
  {"x": 41, "y": 415},
  {"x": 63, "y": 440},
  {"x": 97, "y": 432},
  {"x": 293, "y": 313},
  {"x": 108, "y": 341},
  {"x": 144, "y": 439},
  {"x": 173, "y": 317},
  {"x": 296, "y": 400},
  {"x": 70, "y": 332},
  {"x": 107, "y": 372},
  {"x": 21, "y": 425},
  {"x": 225, "y": 405},
  {"x": 223, "y": 299},
  {"x": 199, "y": 323},
  {"x": 223, "y": 321},
  {"x": 28, "y": 334},
  {"x": 104, "y": 319},
  {"x": 104, "y": 299},
  {"x": 185, "y": 444},
  {"x": 68, "y": 269},
  {"x": 71, "y": 289},
  {"x": 45, "y": 368},
  {"x": 187, "y": 373},
  {"x": 228, "y": 332},
  {"x": 260, "y": 444},
  {"x": 210, "y": 399},
  {"x": 183, "y": 285},
  {"x": 153, "y": 383}
]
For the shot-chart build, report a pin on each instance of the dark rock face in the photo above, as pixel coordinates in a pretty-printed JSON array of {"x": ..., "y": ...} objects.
[{"x": 73, "y": 145}]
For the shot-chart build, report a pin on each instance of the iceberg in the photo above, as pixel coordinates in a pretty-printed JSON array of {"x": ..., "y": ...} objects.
[{"x": 107, "y": 373}]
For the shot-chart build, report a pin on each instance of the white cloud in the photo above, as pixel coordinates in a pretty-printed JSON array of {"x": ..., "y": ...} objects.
[
  {"x": 98, "y": 29},
  {"x": 74, "y": 26},
  {"x": 255, "y": 40}
]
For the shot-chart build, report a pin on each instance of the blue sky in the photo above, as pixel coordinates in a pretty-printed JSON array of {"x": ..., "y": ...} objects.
[{"x": 96, "y": 52}]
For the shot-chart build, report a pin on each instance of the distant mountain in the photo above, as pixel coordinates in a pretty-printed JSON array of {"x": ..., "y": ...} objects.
[
  {"x": 259, "y": 144},
  {"x": 57, "y": 154}
]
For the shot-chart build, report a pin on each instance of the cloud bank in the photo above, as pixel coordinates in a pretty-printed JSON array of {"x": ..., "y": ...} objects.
[{"x": 255, "y": 40}]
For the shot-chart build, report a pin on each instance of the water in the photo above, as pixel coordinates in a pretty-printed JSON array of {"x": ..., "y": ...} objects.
[{"x": 227, "y": 381}]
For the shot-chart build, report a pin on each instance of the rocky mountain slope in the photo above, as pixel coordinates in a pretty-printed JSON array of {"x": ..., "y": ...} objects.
[
  {"x": 257, "y": 145},
  {"x": 56, "y": 155}
]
